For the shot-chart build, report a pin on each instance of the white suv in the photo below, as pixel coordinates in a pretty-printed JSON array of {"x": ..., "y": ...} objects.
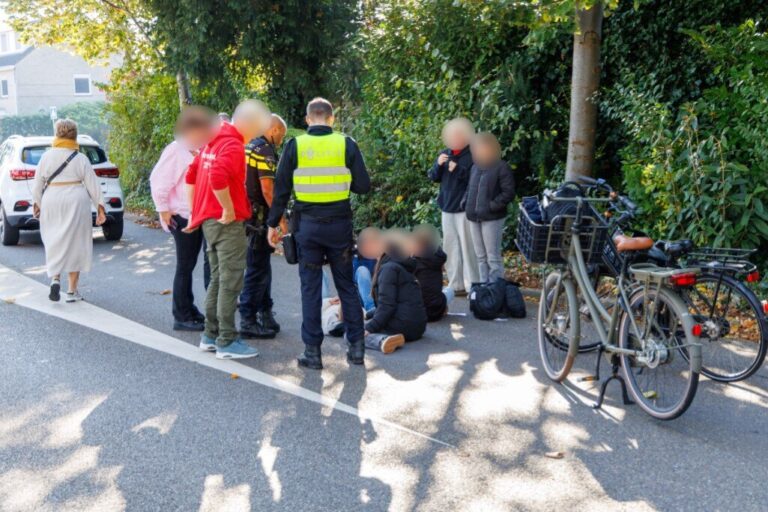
[{"x": 18, "y": 160}]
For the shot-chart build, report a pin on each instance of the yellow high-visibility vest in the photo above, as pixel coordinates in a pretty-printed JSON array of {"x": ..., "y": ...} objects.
[{"x": 322, "y": 175}]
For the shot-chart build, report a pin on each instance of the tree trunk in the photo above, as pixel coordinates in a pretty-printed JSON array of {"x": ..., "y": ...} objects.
[
  {"x": 182, "y": 81},
  {"x": 585, "y": 80}
]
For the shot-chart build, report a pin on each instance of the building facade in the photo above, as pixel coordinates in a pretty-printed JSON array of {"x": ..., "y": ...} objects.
[{"x": 33, "y": 80}]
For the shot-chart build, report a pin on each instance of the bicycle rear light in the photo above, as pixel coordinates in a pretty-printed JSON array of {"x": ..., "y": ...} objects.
[
  {"x": 753, "y": 277},
  {"x": 765, "y": 307},
  {"x": 696, "y": 330},
  {"x": 683, "y": 280}
]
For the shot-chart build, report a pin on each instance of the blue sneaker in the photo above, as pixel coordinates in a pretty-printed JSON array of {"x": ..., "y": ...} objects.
[
  {"x": 236, "y": 350},
  {"x": 207, "y": 344}
]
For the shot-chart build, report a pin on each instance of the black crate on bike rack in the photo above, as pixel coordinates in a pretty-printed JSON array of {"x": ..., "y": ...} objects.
[
  {"x": 549, "y": 242},
  {"x": 611, "y": 259}
]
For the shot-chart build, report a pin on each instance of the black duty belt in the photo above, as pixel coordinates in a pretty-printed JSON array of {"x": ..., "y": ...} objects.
[{"x": 324, "y": 220}]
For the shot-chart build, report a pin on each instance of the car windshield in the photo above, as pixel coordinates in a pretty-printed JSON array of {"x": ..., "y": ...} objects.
[{"x": 31, "y": 155}]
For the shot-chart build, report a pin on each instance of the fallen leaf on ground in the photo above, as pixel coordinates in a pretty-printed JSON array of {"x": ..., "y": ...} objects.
[
  {"x": 234, "y": 376},
  {"x": 554, "y": 455},
  {"x": 9, "y": 300},
  {"x": 165, "y": 292}
]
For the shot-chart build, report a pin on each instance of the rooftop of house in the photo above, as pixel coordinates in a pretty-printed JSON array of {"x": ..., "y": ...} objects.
[{"x": 11, "y": 59}]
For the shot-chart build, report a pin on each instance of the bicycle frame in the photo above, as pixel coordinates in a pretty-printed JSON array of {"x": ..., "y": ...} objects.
[{"x": 604, "y": 322}]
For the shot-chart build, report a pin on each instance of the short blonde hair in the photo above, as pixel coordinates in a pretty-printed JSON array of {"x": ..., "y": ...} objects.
[{"x": 66, "y": 129}]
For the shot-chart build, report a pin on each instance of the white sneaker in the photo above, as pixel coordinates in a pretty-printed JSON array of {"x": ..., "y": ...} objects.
[{"x": 74, "y": 296}]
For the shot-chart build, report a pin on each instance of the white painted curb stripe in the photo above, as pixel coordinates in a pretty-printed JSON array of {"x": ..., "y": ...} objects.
[{"x": 26, "y": 292}]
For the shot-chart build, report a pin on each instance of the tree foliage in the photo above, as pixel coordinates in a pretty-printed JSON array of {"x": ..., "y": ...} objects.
[{"x": 699, "y": 170}]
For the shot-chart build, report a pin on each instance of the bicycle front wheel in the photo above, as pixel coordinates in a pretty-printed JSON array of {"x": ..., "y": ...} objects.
[
  {"x": 663, "y": 376},
  {"x": 733, "y": 340},
  {"x": 558, "y": 326}
]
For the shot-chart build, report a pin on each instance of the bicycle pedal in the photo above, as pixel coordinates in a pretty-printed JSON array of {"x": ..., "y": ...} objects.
[{"x": 589, "y": 378}]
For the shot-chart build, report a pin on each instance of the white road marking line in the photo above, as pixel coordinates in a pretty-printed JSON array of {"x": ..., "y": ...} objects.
[{"x": 23, "y": 291}]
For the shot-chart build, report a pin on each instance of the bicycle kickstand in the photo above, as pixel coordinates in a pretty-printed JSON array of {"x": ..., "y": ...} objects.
[
  {"x": 596, "y": 376},
  {"x": 614, "y": 375}
]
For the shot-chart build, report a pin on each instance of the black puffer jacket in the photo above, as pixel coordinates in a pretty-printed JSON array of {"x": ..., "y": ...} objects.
[
  {"x": 429, "y": 274},
  {"x": 489, "y": 192},
  {"x": 399, "y": 306}
]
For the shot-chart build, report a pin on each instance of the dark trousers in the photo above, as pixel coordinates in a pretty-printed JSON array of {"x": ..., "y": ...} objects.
[
  {"x": 188, "y": 246},
  {"x": 257, "y": 286},
  {"x": 329, "y": 241}
]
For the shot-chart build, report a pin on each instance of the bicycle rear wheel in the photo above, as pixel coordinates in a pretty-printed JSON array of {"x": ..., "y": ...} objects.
[
  {"x": 663, "y": 378},
  {"x": 734, "y": 333},
  {"x": 558, "y": 326}
]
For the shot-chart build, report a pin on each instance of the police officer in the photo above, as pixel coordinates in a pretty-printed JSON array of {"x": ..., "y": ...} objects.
[
  {"x": 257, "y": 320},
  {"x": 322, "y": 167}
]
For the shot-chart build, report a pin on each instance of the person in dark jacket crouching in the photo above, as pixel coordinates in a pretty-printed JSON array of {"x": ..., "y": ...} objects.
[
  {"x": 400, "y": 315},
  {"x": 430, "y": 259},
  {"x": 491, "y": 188}
]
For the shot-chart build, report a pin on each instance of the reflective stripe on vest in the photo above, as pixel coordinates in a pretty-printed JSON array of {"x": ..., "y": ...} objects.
[{"x": 322, "y": 175}]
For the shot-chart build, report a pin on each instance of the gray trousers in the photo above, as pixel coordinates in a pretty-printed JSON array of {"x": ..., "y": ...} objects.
[
  {"x": 486, "y": 237},
  {"x": 461, "y": 264}
]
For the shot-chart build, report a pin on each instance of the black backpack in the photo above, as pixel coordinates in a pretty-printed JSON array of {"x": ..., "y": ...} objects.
[{"x": 499, "y": 299}]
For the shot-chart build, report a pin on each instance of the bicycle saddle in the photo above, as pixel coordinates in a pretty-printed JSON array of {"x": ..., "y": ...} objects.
[{"x": 632, "y": 243}]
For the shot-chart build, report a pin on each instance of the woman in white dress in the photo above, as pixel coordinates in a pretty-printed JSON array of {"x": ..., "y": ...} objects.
[{"x": 63, "y": 205}]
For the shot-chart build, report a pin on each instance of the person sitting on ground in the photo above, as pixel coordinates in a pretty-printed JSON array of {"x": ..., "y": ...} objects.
[
  {"x": 400, "y": 315},
  {"x": 364, "y": 269},
  {"x": 491, "y": 188},
  {"x": 430, "y": 259}
]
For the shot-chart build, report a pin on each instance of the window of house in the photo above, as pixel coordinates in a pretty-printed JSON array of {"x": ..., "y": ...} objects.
[
  {"x": 4, "y": 88},
  {"x": 82, "y": 85},
  {"x": 4, "y": 47}
]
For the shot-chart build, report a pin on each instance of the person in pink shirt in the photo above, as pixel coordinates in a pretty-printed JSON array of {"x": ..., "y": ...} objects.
[{"x": 195, "y": 127}]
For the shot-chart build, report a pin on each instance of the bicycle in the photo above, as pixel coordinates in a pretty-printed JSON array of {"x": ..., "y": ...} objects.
[
  {"x": 734, "y": 327},
  {"x": 660, "y": 362}
]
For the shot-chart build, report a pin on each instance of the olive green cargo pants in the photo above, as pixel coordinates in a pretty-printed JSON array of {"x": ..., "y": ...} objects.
[{"x": 227, "y": 246}]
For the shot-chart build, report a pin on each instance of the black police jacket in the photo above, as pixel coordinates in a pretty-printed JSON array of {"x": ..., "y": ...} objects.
[{"x": 361, "y": 182}]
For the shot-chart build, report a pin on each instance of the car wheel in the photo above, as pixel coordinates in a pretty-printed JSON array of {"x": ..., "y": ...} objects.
[
  {"x": 9, "y": 235},
  {"x": 113, "y": 231}
]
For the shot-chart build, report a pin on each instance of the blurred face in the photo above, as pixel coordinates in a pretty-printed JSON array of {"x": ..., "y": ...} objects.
[
  {"x": 455, "y": 137},
  {"x": 484, "y": 154},
  {"x": 197, "y": 137},
  {"x": 371, "y": 247}
]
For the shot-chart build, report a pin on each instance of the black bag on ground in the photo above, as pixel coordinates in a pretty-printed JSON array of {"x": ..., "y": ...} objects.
[
  {"x": 500, "y": 299},
  {"x": 514, "y": 301}
]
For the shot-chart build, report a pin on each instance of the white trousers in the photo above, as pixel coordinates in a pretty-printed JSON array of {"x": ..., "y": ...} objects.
[{"x": 461, "y": 264}]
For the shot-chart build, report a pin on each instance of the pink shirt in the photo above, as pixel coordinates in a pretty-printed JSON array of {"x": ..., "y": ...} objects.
[{"x": 167, "y": 180}]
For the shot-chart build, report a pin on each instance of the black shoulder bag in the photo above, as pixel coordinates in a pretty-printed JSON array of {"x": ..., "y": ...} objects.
[{"x": 57, "y": 172}]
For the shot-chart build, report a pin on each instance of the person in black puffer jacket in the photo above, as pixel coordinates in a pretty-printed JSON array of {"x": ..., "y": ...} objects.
[
  {"x": 491, "y": 188},
  {"x": 430, "y": 258},
  {"x": 400, "y": 315}
]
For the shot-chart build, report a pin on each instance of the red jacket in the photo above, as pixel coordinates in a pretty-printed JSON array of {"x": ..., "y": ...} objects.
[{"x": 219, "y": 165}]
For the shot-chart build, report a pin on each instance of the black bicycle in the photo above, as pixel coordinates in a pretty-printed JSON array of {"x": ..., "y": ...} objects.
[{"x": 734, "y": 330}]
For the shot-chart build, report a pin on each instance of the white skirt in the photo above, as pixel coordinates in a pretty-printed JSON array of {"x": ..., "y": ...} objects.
[{"x": 66, "y": 229}]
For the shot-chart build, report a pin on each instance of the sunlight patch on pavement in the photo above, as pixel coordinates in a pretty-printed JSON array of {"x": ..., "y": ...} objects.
[
  {"x": 33, "y": 295},
  {"x": 68, "y": 430},
  {"x": 163, "y": 423},
  {"x": 216, "y": 496},
  {"x": 268, "y": 455}
]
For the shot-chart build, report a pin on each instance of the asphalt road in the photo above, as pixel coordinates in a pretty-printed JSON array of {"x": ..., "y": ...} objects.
[{"x": 460, "y": 421}]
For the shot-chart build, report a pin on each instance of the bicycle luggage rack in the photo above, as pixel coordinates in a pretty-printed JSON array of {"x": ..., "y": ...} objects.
[
  {"x": 651, "y": 274},
  {"x": 549, "y": 242},
  {"x": 727, "y": 259}
]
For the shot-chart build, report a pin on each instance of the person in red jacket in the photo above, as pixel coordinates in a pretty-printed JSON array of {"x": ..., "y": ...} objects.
[{"x": 219, "y": 205}]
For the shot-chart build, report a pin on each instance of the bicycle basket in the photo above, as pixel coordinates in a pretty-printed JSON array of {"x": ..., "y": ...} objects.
[
  {"x": 611, "y": 258},
  {"x": 550, "y": 242}
]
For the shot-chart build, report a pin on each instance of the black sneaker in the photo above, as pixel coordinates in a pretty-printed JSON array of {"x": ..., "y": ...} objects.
[
  {"x": 55, "y": 293},
  {"x": 189, "y": 325}
]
